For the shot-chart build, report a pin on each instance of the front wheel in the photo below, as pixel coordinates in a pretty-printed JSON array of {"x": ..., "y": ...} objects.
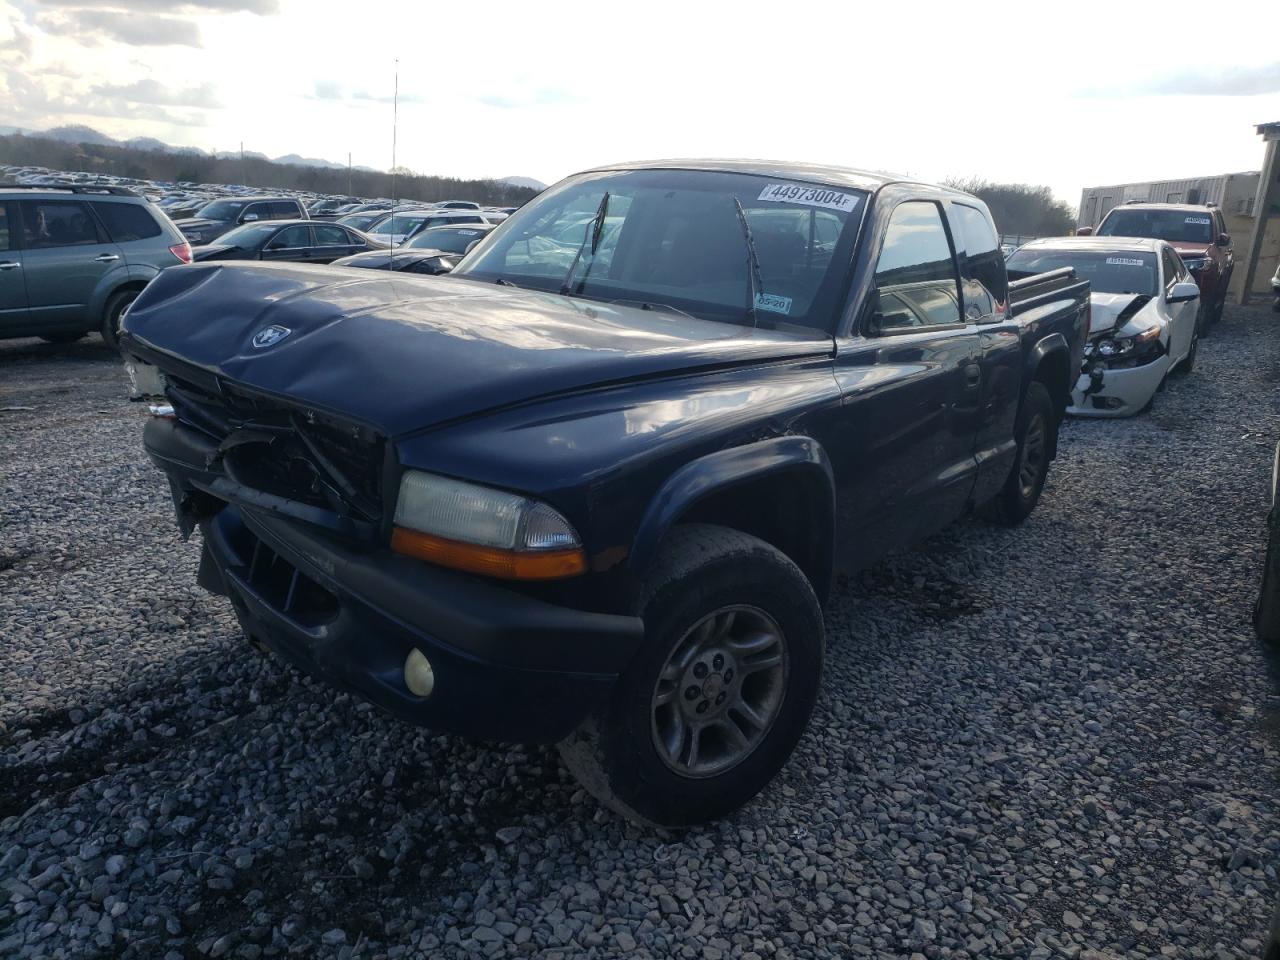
[
  {"x": 717, "y": 699},
  {"x": 1035, "y": 432},
  {"x": 1266, "y": 611}
]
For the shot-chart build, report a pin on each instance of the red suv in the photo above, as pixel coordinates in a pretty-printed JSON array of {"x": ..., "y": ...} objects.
[{"x": 1198, "y": 233}]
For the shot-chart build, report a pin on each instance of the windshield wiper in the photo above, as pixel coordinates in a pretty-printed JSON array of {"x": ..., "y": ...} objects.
[
  {"x": 653, "y": 305},
  {"x": 753, "y": 262},
  {"x": 595, "y": 229}
]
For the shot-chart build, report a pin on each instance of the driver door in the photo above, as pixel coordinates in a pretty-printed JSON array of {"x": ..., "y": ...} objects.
[{"x": 911, "y": 380}]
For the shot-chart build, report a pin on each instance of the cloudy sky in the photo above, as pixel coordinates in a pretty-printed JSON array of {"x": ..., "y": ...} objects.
[{"x": 1075, "y": 94}]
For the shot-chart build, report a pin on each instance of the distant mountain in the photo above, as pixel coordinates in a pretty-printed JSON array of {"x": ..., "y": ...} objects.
[
  {"x": 79, "y": 133},
  {"x": 529, "y": 182},
  {"x": 298, "y": 161}
]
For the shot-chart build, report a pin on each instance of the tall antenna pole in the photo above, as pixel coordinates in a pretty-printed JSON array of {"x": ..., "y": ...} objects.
[
  {"x": 348, "y": 173},
  {"x": 395, "y": 117},
  {"x": 244, "y": 177}
]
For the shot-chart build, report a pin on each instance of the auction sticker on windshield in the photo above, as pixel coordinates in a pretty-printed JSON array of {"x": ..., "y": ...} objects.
[
  {"x": 1196, "y": 220},
  {"x": 1124, "y": 262},
  {"x": 808, "y": 196},
  {"x": 773, "y": 303}
]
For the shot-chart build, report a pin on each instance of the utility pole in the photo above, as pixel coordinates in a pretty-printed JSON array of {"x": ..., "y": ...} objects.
[
  {"x": 244, "y": 177},
  {"x": 348, "y": 173}
]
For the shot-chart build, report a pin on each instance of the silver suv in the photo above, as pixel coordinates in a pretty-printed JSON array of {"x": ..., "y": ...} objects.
[{"x": 72, "y": 258}]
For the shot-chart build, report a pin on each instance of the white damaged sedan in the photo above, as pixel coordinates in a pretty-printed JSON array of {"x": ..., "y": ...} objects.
[{"x": 1145, "y": 317}]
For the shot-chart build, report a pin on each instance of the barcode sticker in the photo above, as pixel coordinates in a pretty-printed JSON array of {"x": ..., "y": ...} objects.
[
  {"x": 1196, "y": 220},
  {"x": 1124, "y": 262},
  {"x": 808, "y": 196}
]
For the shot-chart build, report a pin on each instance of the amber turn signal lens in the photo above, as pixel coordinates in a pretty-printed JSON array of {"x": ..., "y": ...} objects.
[{"x": 489, "y": 561}]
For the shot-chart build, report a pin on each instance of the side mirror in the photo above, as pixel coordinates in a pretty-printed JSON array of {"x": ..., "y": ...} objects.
[
  {"x": 1084, "y": 231},
  {"x": 249, "y": 218},
  {"x": 1182, "y": 292},
  {"x": 443, "y": 266},
  {"x": 1224, "y": 239}
]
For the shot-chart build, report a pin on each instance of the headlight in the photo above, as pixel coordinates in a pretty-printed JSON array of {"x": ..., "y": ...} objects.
[
  {"x": 482, "y": 530},
  {"x": 1195, "y": 263},
  {"x": 1128, "y": 351}
]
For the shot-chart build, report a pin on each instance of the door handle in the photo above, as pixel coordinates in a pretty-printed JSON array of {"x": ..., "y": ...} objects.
[
  {"x": 107, "y": 257},
  {"x": 10, "y": 265},
  {"x": 972, "y": 375}
]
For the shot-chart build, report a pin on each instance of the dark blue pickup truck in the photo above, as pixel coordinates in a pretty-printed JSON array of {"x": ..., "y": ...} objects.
[{"x": 593, "y": 488}]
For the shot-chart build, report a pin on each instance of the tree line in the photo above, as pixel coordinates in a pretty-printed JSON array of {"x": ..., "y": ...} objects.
[
  {"x": 195, "y": 167},
  {"x": 1020, "y": 208}
]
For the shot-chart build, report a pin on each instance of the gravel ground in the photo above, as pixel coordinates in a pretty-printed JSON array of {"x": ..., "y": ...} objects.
[{"x": 1054, "y": 741}]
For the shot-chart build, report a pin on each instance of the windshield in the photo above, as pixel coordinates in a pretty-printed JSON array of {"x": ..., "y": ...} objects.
[
  {"x": 398, "y": 225},
  {"x": 1176, "y": 226},
  {"x": 674, "y": 238},
  {"x": 1123, "y": 272},
  {"x": 448, "y": 239},
  {"x": 222, "y": 209},
  {"x": 249, "y": 236}
]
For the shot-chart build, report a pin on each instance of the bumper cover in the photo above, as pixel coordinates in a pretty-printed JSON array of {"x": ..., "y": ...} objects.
[
  {"x": 507, "y": 666},
  {"x": 1130, "y": 389}
]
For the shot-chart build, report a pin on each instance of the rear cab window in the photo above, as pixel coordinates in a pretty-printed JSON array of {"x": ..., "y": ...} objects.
[
  {"x": 985, "y": 283},
  {"x": 127, "y": 221}
]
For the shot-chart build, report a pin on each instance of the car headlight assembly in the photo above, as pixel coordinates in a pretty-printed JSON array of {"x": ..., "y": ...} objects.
[
  {"x": 1120, "y": 352},
  {"x": 1196, "y": 264},
  {"x": 481, "y": 530}
]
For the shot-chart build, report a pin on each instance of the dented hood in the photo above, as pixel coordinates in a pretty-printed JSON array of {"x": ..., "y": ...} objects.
[
  {"x": 405, "y": 352},
  {"x": 1111, "y": 310}
]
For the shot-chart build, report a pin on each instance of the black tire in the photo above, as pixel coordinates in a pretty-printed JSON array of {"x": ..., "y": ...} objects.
[
  {"x": 1276, "y": 305},
  {"x": 701, "y": 571},
  {"x": 1220, "y": 302},
  {"x": 117, "y": 303},
  {"x": 68, "y": 337},
  {"x": 1036, "y": 432}
]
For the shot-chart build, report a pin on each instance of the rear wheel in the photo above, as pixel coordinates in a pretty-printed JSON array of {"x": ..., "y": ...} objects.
[
  {"x": 716, "y": 701},
  {"x": 1266, "y": 611},
  {"x": 1035, "y": 430},
  {"x": 117, "y": 304}
]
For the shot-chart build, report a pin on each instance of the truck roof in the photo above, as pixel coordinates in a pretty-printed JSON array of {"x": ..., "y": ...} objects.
[{"x": 783, "y": 169}]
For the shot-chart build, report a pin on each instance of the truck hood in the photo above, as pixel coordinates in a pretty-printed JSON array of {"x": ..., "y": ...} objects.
[
  {"x": 1111, "y": 310},
  {"x": 1192, "y": 249},
  {"x": 403, "y": 352}
]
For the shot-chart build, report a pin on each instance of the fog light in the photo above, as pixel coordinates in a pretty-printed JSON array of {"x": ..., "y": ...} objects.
[{"x": 418, "y": 675}]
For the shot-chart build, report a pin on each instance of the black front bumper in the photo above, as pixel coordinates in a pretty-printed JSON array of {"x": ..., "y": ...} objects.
[{"x": 506, "y": 666}]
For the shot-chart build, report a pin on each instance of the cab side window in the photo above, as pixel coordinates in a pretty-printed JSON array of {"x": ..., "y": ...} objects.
[
  {"x": 916, "y": 283},
  {"x": 58, "y": 223},
  {"x": 285, "y": 210},
  {"x": 6, "y": 233},
  {"x": 986, "y": 286}
]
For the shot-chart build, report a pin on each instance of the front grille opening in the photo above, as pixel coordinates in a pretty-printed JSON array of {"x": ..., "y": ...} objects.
[
  {"x": 288, "y": 590},
  {"x": 312, "y": 457}
]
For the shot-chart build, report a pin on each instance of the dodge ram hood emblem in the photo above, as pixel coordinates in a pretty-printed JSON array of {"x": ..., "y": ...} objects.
[{"x": 269, "y": 336}]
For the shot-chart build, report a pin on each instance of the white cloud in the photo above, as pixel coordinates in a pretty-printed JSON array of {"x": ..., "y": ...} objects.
[{"x": 931, "y": 89}]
